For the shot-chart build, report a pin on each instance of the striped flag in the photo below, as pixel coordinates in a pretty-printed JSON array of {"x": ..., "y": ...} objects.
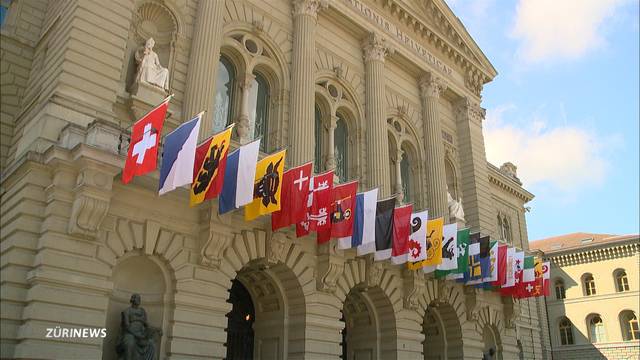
[
  {"x": 178, "y": 156},
  {"x": 366, "y": 243},
  {"x": 237, "y": 190}
]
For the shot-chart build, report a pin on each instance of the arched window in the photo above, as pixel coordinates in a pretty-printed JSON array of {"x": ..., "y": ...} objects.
[
  {"x": 560, "y": 290},
  {"x": 450, "y": 174},
  {"x": 341, "y": 148},
  {"x": 622, "y": 283},
  {"x": 596, "y": 329},
  {"x": 259, "y": 110},
  {"x": 629, "y": 325},
  {"x": 317, "y": 163},
  {"x": 405, "y": 173},
  {"x": 566, "y": 331},
  {"x": 223, "y": 101},
  {"x": 506, "y": 230},
  {"x": 589, "y": 285}
]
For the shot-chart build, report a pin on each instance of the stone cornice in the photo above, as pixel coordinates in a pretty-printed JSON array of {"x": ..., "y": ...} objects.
[
  {"x": 595, "y": 253},
  {"x": 436, "y": 24},
  {"x": 509, "y": 185}
]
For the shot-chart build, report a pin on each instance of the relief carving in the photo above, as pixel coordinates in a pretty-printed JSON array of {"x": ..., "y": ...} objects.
[
  {"x": 512, "y": 308},
  {"x": 330, "y": 266},
  {"x": 373, "y": 275},
  {"x": 216, "y": 237},
  {"x": 471, "y": 302},
  {"x": 414, "y": 286},
  {"x": 276, "y": 248}
]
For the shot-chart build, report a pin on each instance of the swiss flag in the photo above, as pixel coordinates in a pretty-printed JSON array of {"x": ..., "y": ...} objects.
[
  {"x": 342, "y": 212},
  {"x": 294, "y": 197},
  {"x": 318, "y": 205},
  {"x": 143, "y": 147}
]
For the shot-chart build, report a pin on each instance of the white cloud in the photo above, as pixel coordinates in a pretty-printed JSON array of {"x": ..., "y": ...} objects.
[
  {"x": 561, "y": 29},
  {"x": 567, "y": 157}
]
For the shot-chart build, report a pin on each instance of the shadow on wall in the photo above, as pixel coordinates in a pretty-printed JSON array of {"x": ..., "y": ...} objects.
[{"x": 567, "y": 340}]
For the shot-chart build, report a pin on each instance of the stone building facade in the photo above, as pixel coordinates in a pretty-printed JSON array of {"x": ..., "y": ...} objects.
[
  {"x": 385, "y": 92},
  {"x": 594, "y": 304}
]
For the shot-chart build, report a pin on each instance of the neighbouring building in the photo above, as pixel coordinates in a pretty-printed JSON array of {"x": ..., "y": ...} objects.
[
  {"x": 594, "y": 304},
  {"x": 386, "y": 92}
]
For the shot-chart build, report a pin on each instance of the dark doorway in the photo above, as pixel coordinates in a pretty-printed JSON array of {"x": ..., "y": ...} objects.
[
  {"x": 240, "y": 323},
  {"x": 343, "y": 342}
]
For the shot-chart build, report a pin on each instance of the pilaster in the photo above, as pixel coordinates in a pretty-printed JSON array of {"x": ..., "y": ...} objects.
[
  {"x": 301, "y": 139},
  {"x": 375, "y": 49},
  {"x": 431, "y": 87},
  {"x": 476, "y": 194},
  {"x": 203, "y": 64}
]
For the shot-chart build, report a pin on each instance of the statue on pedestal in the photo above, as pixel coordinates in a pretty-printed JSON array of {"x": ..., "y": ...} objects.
[
  {"x": 137, "y": 337},
  {"x": 150, "y": 70},
  {"x": 456, "y": 213}
]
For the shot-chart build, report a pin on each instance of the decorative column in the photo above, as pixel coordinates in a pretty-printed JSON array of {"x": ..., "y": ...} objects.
[
  {"x": 242, "y": 122},
  {"x": 301, "y": 117},
  {"x": 203, "y": 64},
  {"x": 436, "y": 190},
  {"x": 375, "y": 50},
  {"x": 398, "y": 189},
  {"x": 330, "y": 164}
]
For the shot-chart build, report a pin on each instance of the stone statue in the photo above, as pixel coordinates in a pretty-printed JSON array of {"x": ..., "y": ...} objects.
[
  {"x": 455, "y": 208},
  {"x": 149, "y": 69},
  {"x": 137, "y": 337}
]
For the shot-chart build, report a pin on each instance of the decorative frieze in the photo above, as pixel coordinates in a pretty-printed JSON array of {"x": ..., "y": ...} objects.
[{"x": 329, "y": 267}]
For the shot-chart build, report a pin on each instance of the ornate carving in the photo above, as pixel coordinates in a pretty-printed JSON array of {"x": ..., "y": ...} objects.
[
  {"x": 215, "y": 235},
  {"x": 374, "y": 47},
  {"x": 414, "y": 286},
  {"x": 431, "y": 86},
  {"x": 511, "y": 310},
  {"x": 373, "y": 275},
  {"x": 444, "y": 289},
  {"x": 87, "y": 214},
  {"x": 330, "y": 266},
  {"x": 474, "y": 80},
  {"x": 468, "y": 110},
  {"x": 471, "y": 302},
  {"x": 276, "y": 248},
  {"x": 309, "y": 7}
]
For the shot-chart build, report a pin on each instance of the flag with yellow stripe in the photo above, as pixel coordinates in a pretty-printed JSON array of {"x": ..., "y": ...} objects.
[
  {"x": 209, "y": 167},
  {"x": 267, "y": 186}
]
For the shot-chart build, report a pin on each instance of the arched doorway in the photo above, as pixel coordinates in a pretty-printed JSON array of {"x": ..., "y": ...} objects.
[
  {"x": 266, "y": 321},
  {"x": 240, "y": 335},
  {"x": 491, "y": 340},
  {"x": 148, "y": 277},
  {"x": 442, "y": 333},
  {"x": 369, "y": 332}
]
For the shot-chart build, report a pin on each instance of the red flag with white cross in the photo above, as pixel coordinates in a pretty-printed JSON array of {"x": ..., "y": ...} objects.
[
  {"x": 142, "y": 156},
  {"x": 293, "y": 200}
]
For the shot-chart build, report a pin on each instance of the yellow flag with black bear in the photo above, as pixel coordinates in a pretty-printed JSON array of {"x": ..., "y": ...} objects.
[{"x": 267, "y": 186}]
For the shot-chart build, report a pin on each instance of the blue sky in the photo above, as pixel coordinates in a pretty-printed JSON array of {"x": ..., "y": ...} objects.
[{"x": 564, "y": 107}]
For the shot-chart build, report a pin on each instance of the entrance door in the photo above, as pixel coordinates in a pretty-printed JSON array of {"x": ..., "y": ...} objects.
[{"x": 240, "y": 326}]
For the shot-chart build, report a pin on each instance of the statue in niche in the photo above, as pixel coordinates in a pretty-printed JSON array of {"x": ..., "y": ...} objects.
[
  {"x": 137, "y": 337},
  {"x": 455, "y": 208},
  {"x": 150, "y": 70}
]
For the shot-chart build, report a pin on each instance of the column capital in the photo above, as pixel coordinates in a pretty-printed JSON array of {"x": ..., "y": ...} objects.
[
  {"x": 431, "y": 85},
  {"x": 375, "y": 47},
  {"x": 309, "y": 7},
  {"x": 467, "y": 109}
]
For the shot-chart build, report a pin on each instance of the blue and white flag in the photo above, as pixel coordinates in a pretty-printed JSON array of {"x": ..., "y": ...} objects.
[
  {"x": 367, "y": 243},
  {"x": 239, "y": 175},
  {"x": 179, "y": 155}
]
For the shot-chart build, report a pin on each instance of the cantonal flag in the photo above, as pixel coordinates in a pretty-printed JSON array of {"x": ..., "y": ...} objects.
[
  {"x": 318, "y": 205},
  {"x": 295, "y": 193},
  {"x": 384, "y": 228},
  {"x": 501, "y": 266},
  {"x": 342, "y": 211},
  {"x": 209, "y": 167},
  {"x": 401, "y": 232},
  {"x": 418, "y": 240},
  {"x": 527, "y": 285},
  {"x": 267, "y": 186},
  {"x": 364, "y": 235}
]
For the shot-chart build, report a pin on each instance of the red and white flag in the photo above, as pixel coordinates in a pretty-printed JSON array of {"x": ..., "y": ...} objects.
[
  {"x": 401, "y": 233},
  {"x": 294, "y": 197},
  {"x": 342, "y": 208},
  {"x": 318, "y": 205},
  {"x": 142, "y": 156}
]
